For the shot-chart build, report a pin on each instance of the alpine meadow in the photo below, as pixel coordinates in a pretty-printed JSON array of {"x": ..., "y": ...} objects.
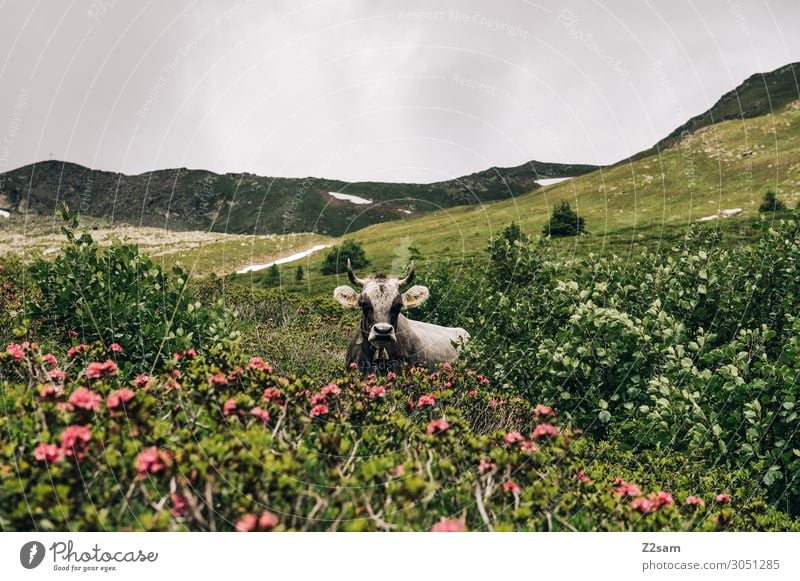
[{"x": 633, "y": 361}]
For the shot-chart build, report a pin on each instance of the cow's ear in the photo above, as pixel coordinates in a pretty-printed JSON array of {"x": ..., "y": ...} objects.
[
  {"x": 346, "y": 296},
  {"x": 415, "y": 296}
]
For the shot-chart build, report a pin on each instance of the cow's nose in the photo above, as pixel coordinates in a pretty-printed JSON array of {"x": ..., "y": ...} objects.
[{"x": 383, "y": 329}]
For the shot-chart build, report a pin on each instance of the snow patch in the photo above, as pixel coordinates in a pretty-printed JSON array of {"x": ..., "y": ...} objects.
[
  {"x": 723, "y": 213},
  {"x": 284, "y": 260},
  {"x": 551, "y": 181},
  {"x": 350, "y": 198}
]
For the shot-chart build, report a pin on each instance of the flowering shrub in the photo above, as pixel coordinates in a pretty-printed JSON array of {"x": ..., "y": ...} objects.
[{"x": 184, "y": 450}]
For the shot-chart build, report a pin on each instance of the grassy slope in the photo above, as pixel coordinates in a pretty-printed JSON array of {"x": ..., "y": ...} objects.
[
  {"x": 649, "y": 201},
  {"x": 201, "y": 251}
]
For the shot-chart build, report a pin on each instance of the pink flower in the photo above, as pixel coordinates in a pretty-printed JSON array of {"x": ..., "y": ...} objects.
[
  {"x": 473, "y": 393},
  {"x": 485, "y": 465},
  {"x": 319, "y": 410},
  {"x": 391, "y": 376},
  {"x": 260, "y": 414},
  {"x": 190, "y": 353},
  {"x": 447, "y": 367},
  {"x": 77, "y": 350},
  {"x": 426, "y": 400},
  {"x": 96, "y": 370},
  {"x": 115, "y": 347},
  {"x": 512, "y": 437},
  {"x": 16, "y": 351},
  {"x": 527, "y": 446},
  {"x": 180, "y": 505},
  {"x": 544, "y": 431},
  {"x": 152, "y": 461},
  {"x": 56, "y": 375},
  {"x": 218, "y": 379},
  {"x": 142, "y": 381},
  {"x": 723, "y": 498},
  {"x": 247, "y": 523},
  {"x": 272, "y": 394},
  {"x": 74, "y": 440},
  {"x": 257, "y": 364},
  {"x": 50, "y": 360},
  {"x": 49, "y": 391},
  {"x": 449, "y": 525},
  {"x": 72, "y": 333},
  {"x": 318, "y": 398},
  {"x": 399, "y": 470},
  {"x": 377, "y": 391},
  {"x": 228, "y": 407},
  {"x": 353, "y": 365},
  {"x": 583, "y": 478},
  {"x": 482, "y": 379},
  {"x": 544, "y": 412},
  {"x": 84, "y": 399},
  {"x": 49, "y": 453},
  {"x": 662, "y": 498},
  {"x": 437, "y": 426},
  {"x": 511, "y": 486},
  {"x": 625, "y": 489},
  {"x": 694, "y": 501},
  {"x": 267, "y": 521},
  {"x": 331, "y": 389},
  {"x": 644, "y": 505},
  {"x": 119, "y": 398}
]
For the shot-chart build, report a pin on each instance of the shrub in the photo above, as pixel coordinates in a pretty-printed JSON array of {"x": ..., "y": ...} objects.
[
  {"x": 215, "y": 442},
  {"x": 694, "y": 351},
  {"x": 116, "y": 295},
  {"x": 336, "y": 258},
  {"x": 564, "y": 222},
  {"x": 771, "y": 204},
  {"x": 273, "y": 277}
]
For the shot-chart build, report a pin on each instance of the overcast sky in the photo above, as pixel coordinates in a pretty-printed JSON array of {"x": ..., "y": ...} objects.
[{"x": 368, "y": 89}]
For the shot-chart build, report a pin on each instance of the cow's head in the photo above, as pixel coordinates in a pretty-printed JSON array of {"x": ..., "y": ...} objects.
[{"x": 380, "y": 301}]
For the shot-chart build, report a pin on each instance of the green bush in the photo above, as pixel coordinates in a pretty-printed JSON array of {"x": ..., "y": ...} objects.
[
  {"x": 694, "y": 350},
  {"x": 117, "y": 295},
  {"x": 215, "y": 442},
  {"x": 564, "y": 222},
  {"x": 771, "y": 204},
  {"x": 337, "y": 256}
]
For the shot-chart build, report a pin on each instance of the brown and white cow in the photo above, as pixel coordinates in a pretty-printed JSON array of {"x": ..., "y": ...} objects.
[{"x": 386, "y": 340}]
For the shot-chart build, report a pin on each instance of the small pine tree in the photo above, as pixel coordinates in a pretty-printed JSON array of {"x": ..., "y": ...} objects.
[
  {"x": 273, "y": 276},
  {"x": 336, "y": 259},
  {"x": 771, "y": 204},
  {"x": 564, "y": 222},
  {"x": 299, "y": 274}
]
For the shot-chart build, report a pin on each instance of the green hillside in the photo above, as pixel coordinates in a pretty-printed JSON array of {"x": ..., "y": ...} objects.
[
  {"x": 186, "y": 199},
  {"x": 649, "y": 201}
]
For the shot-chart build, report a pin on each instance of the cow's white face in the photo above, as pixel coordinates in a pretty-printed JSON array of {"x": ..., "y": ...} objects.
[{"x": 380, "y": 301}]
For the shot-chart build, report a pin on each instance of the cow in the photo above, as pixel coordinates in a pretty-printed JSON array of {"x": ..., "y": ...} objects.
[{"x": 385, "y": 339}]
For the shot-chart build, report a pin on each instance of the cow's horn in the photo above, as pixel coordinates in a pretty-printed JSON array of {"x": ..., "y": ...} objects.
[
  {"x": 409, "y": 278},
  {"x": 351, "y": 275}
]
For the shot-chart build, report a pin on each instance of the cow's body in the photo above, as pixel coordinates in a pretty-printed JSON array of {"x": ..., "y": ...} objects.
[
  {"x": 418, "y": 343},
  {"x": 385, "y": 339}
]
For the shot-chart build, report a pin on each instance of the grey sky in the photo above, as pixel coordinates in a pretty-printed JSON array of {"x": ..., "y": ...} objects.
[{"x": 368, "y": 90}]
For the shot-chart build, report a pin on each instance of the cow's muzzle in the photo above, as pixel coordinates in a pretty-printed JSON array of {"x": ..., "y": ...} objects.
[{"x": 382, "y": 335}]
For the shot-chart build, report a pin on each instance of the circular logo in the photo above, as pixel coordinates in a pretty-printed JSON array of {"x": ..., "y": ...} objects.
[{"x": 31, "y": 554}]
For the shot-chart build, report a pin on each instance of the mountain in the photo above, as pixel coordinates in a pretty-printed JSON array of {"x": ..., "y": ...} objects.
[
  {"x": 246, "y": 203},
  {"x": 758, "y": 95}
]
